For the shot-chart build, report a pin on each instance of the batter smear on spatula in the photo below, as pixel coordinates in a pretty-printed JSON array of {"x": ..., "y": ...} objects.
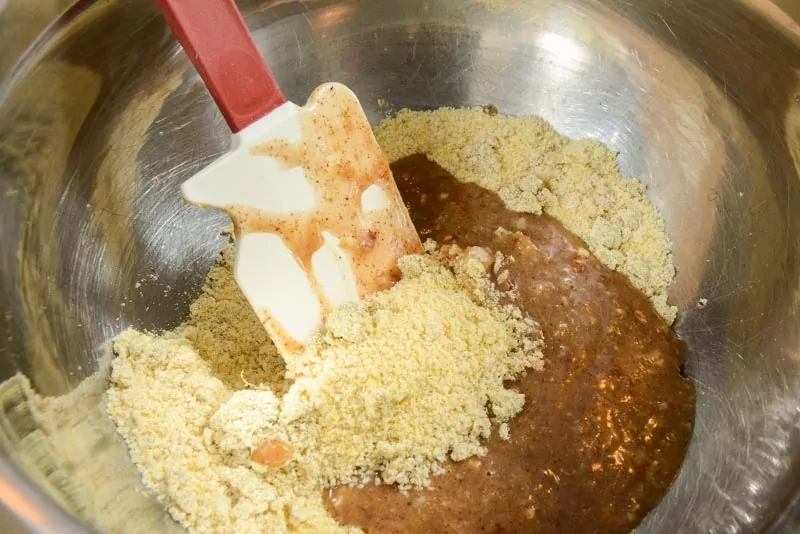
[{"x": 358, "y": 208}]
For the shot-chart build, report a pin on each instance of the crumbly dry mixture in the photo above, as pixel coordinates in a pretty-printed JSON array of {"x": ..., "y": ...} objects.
[
  {"x": 229, "y": 336},
  {"x": 390, "y": 390},
  {"x": 536, "y": 170}
]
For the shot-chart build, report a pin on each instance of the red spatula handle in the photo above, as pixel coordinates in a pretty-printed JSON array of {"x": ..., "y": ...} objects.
[{"x": 222, "y": 50}]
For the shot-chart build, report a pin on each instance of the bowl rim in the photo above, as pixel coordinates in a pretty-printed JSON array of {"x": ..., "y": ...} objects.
[{"x": 35, "y": 509}]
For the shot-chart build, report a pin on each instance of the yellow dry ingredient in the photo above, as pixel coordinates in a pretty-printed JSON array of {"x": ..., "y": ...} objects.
[
  {"x": 536, "y": 170},
  {"x": 390, "y": 390},
  {"x": 229, "y": 336},
  {"x": 400, "y": 383}
]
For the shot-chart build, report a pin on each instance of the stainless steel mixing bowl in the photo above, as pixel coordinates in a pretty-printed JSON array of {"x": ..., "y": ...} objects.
[{"x": 103, "y": 117}]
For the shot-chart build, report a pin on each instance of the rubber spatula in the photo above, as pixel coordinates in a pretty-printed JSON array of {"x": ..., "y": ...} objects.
[{"x": 317, "y": 216}]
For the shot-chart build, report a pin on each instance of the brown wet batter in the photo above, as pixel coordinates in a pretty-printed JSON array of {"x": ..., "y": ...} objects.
[{"x": 605, "y": 426}]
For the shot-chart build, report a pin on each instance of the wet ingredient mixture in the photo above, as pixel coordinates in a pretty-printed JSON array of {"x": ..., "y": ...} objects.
[{"x": 604, "y": 429}]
